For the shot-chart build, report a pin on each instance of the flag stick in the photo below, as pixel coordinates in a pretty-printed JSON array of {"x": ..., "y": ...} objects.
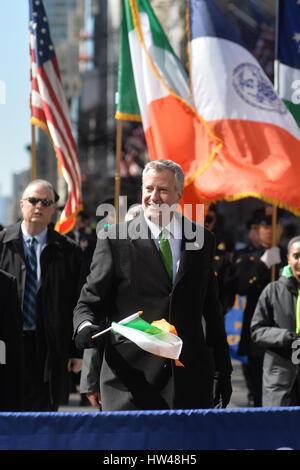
[
  {"x": 33, "y": 152},
  {"x": 101, "y": 332},
  {"x": 118, "y": 165},
  {"x": 274, "y": 224},
  {"x": 276, "y": 88},
  {"x": 125, "y": 320}
]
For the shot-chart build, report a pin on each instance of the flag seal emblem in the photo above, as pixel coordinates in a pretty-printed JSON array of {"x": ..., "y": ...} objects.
[{"x": 255, "y": 89}]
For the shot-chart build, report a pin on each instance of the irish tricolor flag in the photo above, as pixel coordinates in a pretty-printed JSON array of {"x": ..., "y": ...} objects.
[
  {"x": 154, "y": 340},
  {"x": 149, "y": 337},
  {"x": 153, "y": 88},
  {"x": 287, "y": 63}
]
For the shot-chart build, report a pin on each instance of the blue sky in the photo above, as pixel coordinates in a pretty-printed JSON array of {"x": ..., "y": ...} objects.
[{"x": 15, "y": 129}]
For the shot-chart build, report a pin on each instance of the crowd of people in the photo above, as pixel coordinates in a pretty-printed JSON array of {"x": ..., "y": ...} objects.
[{"x": 58, "y": 291}]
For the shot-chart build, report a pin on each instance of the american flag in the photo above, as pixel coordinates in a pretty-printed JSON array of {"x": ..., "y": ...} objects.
[{"x": 50, "y": 110}]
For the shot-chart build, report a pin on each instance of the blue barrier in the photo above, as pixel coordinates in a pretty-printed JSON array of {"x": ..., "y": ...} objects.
[{"x": 243, "y": 428}]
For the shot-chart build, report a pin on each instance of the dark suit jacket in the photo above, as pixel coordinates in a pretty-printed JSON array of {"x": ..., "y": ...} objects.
[
  {"x": 57, "y": 294},
  {"x": 10, "y": 345},
  {"x": 127, "y": 275}
]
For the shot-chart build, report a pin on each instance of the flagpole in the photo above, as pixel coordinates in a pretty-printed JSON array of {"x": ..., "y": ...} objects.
[
  {"x": 276, "y": 88},
  {"x": 33, "y": 152},
  {"x": 118, "y": 165},
  {"x": 274, "y": 241}
]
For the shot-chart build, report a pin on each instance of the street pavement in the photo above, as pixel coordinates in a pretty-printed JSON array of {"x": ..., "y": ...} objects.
[{"x": 239, "y": 398}]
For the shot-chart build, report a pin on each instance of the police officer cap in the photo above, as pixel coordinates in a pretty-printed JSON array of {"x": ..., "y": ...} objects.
[
  {"x": 252, "y": 223},
  {"x": 263, "y": 215}
]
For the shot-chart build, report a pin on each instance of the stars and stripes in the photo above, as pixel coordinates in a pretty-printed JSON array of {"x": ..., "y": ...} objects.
[{"x": 50, "y": 110}]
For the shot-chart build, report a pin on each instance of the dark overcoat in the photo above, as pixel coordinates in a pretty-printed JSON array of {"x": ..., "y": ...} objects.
[
  {"x": 252, "y": 276},
  {"x": 57, "y": 294},
  {"x": 10, "y": 345},
  {"x": 128, "y": 275},
  {"x": 275, "y": 314}
]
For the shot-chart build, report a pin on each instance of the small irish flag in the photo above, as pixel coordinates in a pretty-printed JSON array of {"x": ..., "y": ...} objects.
[{"x": 148, "y": 337}]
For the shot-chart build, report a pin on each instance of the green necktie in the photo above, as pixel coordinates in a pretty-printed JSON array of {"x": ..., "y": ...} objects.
[
  {"x": 166, "y": 253},
  {"x": 298, "y": 314}
]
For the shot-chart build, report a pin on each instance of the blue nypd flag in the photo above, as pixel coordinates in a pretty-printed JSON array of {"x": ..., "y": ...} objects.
[
  {"x": 207, "y": 20},
  {"x": 259, "y": 138},
  {"x": 227, "y": 81}
]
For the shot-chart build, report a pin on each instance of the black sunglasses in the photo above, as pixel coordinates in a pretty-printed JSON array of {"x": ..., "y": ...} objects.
[{"x": 35, "y": 200}]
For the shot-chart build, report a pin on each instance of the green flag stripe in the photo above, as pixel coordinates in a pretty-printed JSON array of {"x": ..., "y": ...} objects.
[
  {"x": 133, "y": 7},
  {"x": 139, "y": 324},
  {"x": 128, "y": 107},
  {"x": 127, "y": 98},
  {"x": 294, "y": 109}
]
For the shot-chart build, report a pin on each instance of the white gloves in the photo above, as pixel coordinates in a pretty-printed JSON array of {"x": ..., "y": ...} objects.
[{"x": 271, "y": 256}]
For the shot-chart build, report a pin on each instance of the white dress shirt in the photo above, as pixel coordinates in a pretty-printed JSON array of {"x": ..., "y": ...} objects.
[{"x": 41, "y": 240}]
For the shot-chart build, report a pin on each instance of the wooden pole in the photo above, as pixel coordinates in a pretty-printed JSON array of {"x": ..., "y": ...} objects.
[
  {"x": 274, "y": 241},
  {"x": 276, "y": 88},
  {"x": 33, "y": 152},
  {"x": 118, "y": 165}
]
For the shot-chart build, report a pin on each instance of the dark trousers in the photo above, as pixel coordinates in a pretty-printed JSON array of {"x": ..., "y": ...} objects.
[
  {"x": 253, "y": 377},
  {"x": 36, "y": 395}
]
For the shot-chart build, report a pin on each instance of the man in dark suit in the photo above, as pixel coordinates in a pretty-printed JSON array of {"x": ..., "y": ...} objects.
[
  {"x": 223, "y": 266},
  {"x": 46, "y": 266},
  {"x": 128, "y": 274},
  {"x": 10, "y": 345}
]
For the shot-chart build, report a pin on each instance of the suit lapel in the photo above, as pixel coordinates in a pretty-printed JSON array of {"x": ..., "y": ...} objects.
[
  {"x": 188, "y": 247},
  {"x": 140, "y": 237}
]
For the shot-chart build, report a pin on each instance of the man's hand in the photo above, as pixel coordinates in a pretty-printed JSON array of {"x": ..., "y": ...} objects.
[
  {"x": 222, "y": 391},
  {"x": 165, "y": 326},
  {"x": 74, "y": 365},
  {"x": 271, "y": 256},
  {"x": 94, "y": 399},
  {"x": 169, "y": 328},
  {"x": 288, "y": 339},
  {"x": 83, "y": 338}
]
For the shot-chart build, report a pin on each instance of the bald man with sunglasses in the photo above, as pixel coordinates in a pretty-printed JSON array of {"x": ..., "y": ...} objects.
[{"x": 47, "y": 267}]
